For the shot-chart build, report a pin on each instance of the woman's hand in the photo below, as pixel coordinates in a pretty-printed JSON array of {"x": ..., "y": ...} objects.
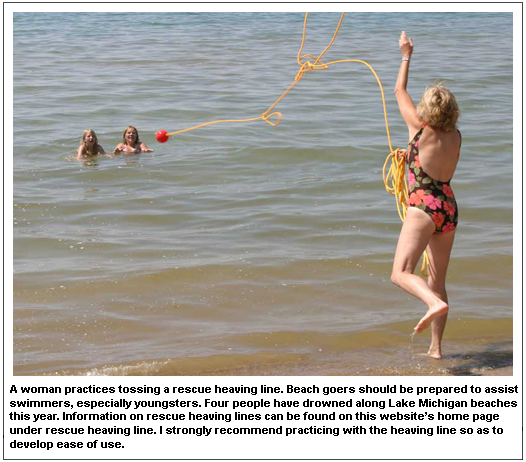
[
  {"x": 406, "y": 46},
  {"x": 118, "y": 149},
  {"x": 145, "y": 148},
  {"x": 401, "y": 154}
]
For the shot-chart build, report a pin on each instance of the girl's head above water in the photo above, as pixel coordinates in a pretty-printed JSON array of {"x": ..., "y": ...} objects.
[{"x": 89, "y": 137}]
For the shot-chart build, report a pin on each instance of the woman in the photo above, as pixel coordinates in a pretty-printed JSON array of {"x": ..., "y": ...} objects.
[
  {"x": 131, "y": 144},
  {"x": 432, "y": 213}
]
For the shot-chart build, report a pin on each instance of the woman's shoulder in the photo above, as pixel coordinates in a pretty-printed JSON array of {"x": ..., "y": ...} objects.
[{"x": 459, "y": 135}]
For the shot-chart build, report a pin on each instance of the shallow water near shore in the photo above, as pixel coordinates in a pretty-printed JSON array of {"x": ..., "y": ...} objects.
[
  {"x": 385, "y": 351},
  {"x": 244, "y": 249}
]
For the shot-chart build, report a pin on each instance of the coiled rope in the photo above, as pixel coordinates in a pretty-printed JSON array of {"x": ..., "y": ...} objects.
[{"x": 394, "y": 176}]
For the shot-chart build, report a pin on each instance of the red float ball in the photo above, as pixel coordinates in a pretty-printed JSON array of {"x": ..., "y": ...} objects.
[{"x": 162, "y": 136}]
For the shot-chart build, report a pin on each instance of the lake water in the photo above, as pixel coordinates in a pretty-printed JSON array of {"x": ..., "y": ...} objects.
[{"x": 244, "y": 249}]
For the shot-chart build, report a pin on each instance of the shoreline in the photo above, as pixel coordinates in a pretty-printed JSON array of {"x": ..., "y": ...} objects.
[{"x": 486, "y": 350}]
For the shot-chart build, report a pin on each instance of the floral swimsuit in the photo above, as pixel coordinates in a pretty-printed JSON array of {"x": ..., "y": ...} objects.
[{"x": 434, "y": 197}]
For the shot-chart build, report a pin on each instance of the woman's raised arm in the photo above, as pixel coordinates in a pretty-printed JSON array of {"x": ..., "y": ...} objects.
[{"x": 405, "y": 103}]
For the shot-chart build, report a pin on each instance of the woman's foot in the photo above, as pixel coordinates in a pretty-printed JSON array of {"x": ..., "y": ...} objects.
[
  {"x": 430, "y": 354},
  {"x": 434, "y": 353},
  {"x": 439, "y": 309}
]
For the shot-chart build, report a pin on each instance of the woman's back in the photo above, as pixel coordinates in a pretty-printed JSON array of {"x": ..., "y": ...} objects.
[{"x": 439, "y": 152}]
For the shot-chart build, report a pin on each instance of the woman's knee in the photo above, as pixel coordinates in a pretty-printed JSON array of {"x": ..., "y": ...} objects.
[
  {"x": 394, "y": 278},
  {"x": 397, "y": 275}
]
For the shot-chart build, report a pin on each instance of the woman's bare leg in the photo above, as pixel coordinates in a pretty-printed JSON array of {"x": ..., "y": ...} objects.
[
  {"x": 439, "y": 252},
  {"x": 417, "y": 231}
]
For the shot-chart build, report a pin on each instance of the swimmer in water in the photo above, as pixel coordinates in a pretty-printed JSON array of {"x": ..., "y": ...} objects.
[
  {"x": 131, "y": 144},
  {"x": 432, "y": 214},
  {"x": 89, "y": 146}
]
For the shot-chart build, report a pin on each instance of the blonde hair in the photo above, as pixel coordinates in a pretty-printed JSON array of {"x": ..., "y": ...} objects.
[
  {"x": 136, "y": 132},
  {"x": 90, "y": 150},
  {"x": 438, "y": 108}
]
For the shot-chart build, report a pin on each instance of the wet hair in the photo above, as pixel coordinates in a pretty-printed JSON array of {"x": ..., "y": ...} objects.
[
  {"x": 124, "y": 134},
  {"x": 438, "y": 108},
  {"x": 90, "y": 150}
]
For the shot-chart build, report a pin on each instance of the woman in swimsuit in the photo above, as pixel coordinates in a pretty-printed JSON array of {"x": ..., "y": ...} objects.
[
  {"x": 131, "y": 144},
  {"x": 432, "y": 213}
]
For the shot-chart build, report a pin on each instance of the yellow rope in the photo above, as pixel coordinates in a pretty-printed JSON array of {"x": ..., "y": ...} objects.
[
  {"x": 394, "y": 180},
  {"x": 396, "y": 184}
]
